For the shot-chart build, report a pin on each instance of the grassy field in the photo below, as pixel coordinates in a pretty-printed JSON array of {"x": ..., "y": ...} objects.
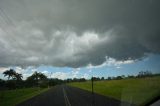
[
  {"x": 13, "y": 97},
  {"x": 138, "y": 91}
]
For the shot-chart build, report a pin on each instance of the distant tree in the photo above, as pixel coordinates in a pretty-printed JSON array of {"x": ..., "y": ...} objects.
[
  {"x": 144, "y": 74},
  {"x": 82, "y": 79},
  {"x": 113, "y": 78},
  {"x": 9, "y": 73},
  {"x": 96, "y": 78},
  {"x": 30, "y": 81},
  {"x": 131, "y": 76},
  {"x": 42, "y": 76},
  {"x": 148, "y": 73},
  {"x": 140, "y": 74},
  {"x": 18, "y": 77},
  {"x": 55, "y": 81},
  {"x": 36, "y": 78},
  {"x": 118, "y": 78},
  {"x": 123, "y": 76},
  {"x": 102, "y": 78},
  {"x": 69, "y": 80},
  {"x": 75, "y": 80},
  {"x": 78, "y": 80},
  {"x": 109, "y": 78}
]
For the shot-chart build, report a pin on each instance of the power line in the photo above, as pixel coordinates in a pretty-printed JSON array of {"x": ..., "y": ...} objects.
[{"x": 7, "y": 21}]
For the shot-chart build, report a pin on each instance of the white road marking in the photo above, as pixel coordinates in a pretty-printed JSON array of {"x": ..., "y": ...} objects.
[{"x": 66, "y": 98}]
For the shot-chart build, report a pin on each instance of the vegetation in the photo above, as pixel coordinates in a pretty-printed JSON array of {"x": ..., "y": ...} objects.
[
  {"x": 75, "y": 80},
  {"x": 11, "y": 73},
  {"x": 13, "y": 97},
  {"x": 134, "y": 90},
  {"x": 14, "y": 81},
  {"x": 37, "y": 79},
  {"x": 15, "y": 90},
  {"x": 138, "y": 89}
]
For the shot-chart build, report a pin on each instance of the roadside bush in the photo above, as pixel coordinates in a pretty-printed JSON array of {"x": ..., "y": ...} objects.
[
  {"x": 43, "y": 84},
  {"x": 11, "y": 84},
  {"x": 2, "y": 83}
]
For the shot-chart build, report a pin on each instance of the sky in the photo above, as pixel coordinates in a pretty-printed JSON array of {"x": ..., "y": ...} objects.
[{"x": 80, "y": 38}]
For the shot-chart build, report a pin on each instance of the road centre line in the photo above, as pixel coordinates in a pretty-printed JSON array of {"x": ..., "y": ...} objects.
[{"x": 66, "y": 98}]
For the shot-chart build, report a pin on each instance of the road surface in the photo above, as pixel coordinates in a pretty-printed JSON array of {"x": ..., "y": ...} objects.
[{"x": 63, "y": 95}]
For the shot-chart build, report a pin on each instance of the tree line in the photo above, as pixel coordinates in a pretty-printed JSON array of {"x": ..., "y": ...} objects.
[
  {"x": 15, "y": 80},
  {"x": 38, "y": 79}
]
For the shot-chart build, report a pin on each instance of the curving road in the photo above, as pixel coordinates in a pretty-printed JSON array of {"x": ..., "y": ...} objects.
[{"x": 63, "y": 95}]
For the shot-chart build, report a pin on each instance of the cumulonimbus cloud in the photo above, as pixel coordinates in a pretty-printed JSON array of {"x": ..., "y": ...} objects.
[{"x": 77, "y": 33}]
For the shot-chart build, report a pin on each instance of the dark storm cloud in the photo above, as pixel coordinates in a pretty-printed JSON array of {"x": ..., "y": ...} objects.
[{"x": 76, "y": 33}]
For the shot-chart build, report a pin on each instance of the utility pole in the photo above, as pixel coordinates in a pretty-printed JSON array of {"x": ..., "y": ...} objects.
[
  {"x": 92, "y": 85},
  {"x": 49, "y": 79},
  {"x": 93, "y": 102}
]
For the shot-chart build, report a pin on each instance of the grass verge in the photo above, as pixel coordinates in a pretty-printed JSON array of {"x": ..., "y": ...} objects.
[
  {"x": 139, "y": 91},
  {"x": 14, "y": 97}
]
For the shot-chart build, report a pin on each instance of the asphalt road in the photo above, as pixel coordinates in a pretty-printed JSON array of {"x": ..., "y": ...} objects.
[{"x": 63, "y": 95}]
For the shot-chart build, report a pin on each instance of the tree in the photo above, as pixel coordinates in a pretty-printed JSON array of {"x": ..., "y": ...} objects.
[
  {"x": 18, "y": 76},
  {"x": 35, "y": 78},
  {"x": 10, "y": 73},
  {"x": 2, "y": 83},
  {"x": 16, "y": 79},
  {"x": 102, "y": 78},
  {"x": 131, "y": 76},
  {"x": 96, "y": 78},
  {"x": 118, "y": 78},
  {"x": 144, "y": 74},
  {"x": 42, "y": 76},
  {"x": 109, "y": 78}
]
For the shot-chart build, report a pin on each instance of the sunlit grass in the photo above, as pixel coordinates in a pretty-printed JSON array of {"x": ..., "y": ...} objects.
[
  {"x": 138, "y": 90},
  {"x": 13, "y": 97}
]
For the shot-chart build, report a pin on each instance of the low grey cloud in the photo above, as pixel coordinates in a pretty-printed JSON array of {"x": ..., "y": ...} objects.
[{"x": 75, "y": 33}]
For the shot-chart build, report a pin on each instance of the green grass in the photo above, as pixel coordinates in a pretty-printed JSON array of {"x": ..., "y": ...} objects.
[
  {"x": 138, "y": 91},
  {"x": 13, "y": 97}
]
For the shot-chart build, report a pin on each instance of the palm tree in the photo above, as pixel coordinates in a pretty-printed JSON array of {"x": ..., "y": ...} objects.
[
  {"x": 36, "y": 77},
  {"x": 10, "y": 73},
  {"x": 42, "y": 76},
  {"x": 18, "y": 76}
]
